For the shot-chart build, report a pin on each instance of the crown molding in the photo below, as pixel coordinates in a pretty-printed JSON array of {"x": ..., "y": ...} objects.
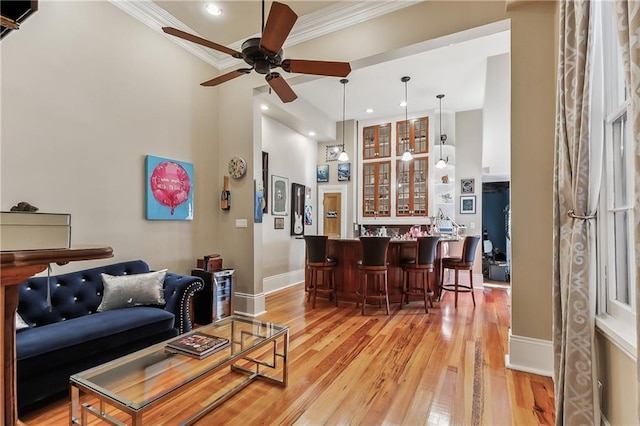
[{"x": 332, "y": 18}]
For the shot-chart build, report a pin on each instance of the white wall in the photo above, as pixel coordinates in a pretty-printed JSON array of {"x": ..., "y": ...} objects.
[
  {"x": 496, "y": 155},
  {"x": 293, "y": 156},
  {"x": 87, "y": 92}
]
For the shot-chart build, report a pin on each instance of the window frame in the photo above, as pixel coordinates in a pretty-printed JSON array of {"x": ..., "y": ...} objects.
[{"x": 615, "y": 319}]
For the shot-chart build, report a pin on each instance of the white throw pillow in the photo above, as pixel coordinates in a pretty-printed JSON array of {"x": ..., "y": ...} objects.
[
  {"x": 20, "y": 323},
  {"x": 123, "y": 291}
]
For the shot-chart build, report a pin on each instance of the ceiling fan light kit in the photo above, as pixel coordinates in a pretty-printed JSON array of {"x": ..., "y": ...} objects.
[
  {"x": 442, "y": 163},
  {"x": 265, "y": 53}
]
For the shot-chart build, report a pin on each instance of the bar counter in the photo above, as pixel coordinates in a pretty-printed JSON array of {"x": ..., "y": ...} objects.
[{"x": 348, "y": 250}]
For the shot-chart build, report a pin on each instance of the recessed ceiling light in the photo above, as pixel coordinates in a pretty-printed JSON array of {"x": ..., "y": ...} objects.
[
  {"x": 213, "y": 9},
  {"x": 312, "y": 133},
  {"x": 264, "y": 107},
  {"x": 369, "y": 110},
  {"x": 403, "y": 104}
]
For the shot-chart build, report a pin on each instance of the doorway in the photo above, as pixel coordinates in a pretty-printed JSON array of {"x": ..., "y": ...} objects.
[
  {"x": 495, "y": 230},
  {"x": 332, "y": 214},
  {"x": 332, "y": 217}
]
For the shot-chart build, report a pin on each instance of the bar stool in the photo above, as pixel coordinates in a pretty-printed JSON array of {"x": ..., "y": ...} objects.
[
  {"x": 419, "y": 268},
  {"x": 465, "y": 262},
  {"x": 321, "y": 268},
  {"x": 374, "y": 265}
]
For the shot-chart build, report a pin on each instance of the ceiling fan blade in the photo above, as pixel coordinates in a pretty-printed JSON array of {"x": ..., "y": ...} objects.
[
  {"x": 279, "y": 23},
  {"x": 281, "y": 87},
  {"x": 199, "y": 40},
  {"x": 226, "y": 77},
  {"x": 334, "y": 69}
]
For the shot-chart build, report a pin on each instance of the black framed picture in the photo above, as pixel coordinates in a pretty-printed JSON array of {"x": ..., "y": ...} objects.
[
  {"x": 467, "y": 204},
  {"x": 297, "y": 209},
  {"x": 467, "y": 186}
]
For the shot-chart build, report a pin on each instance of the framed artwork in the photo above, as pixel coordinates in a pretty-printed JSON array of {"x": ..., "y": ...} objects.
[
  {"x": 297, "y": 209},
  {"x": 258, "y": 201},
  {"x": 279, "y": 195},
  {"x": 344, "y": 172},
  {"x": 278, "y": 223},
  {"x": 467, "y": 204},
  {"x": 333, "y": 152},
  {"x": 467, "y": 186},
  {"x": 169, "y": 185},
  {"x": 265, "y": 182},
  {"x": 322, "y": 173},
  {"x": 308, "y": 213}
]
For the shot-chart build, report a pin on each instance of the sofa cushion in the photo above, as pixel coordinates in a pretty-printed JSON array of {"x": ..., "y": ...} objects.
[
  {"x": 68, "y": 341},
  {"x": 132, "y": 290}
]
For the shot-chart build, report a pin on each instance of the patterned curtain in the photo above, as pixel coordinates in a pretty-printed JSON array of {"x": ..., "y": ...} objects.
[
  {"x": 576, "y": 185},
  {"x": 628, "y": 20}
]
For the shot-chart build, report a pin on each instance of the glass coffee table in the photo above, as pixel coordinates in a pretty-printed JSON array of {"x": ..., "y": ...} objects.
[{"x": 142, "y": 380}]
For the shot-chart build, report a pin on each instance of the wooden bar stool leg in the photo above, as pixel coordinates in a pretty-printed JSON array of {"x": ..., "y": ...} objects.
[
  {"x": 364, "y": 291},
  {"x": 315, "y": 288},
  {"x": 429, "y": 288},
  {"x": 425, "y": 283},
  {"x": 333, "y": 286},
  {"x": 386, "y": 292},
  {"x": 471, "y": 280},
  {"x": 456, "y": 290}
]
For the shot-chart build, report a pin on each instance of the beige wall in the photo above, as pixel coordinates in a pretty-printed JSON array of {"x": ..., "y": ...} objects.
[
  {"x": 87, "y": 92},
  {"x": 617, "y": 372}
]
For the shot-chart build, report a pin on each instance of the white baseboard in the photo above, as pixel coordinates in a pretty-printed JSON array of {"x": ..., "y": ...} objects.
[
  {"x": 530, "y": 355},
  {"x": 282, "y": 281},
  {"x": 250, "y": 305}
]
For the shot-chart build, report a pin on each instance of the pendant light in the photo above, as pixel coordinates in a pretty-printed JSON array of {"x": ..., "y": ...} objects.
[
  {"x": 343, "y": 155},
  {"x": 442, "y": 163},
  {"x": 406, "y": 156}
]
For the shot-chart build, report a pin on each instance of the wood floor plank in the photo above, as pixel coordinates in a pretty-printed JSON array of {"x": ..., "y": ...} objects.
[{"x": 407, "y": 368}]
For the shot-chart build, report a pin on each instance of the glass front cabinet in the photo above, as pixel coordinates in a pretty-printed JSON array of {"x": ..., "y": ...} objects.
[
  {"x": 412, "y": 135},
  {"x": 376, "y": 141},
  {"x": 404, "y": 190},
  {"x": 412, "y": 188},
  {"x": 376, "y": 187}
]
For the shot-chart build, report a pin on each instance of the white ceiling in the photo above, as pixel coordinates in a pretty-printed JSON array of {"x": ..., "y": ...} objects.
[{"x": 453, "y": 65}]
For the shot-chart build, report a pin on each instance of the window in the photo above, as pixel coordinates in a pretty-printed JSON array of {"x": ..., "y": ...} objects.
[{"x": 616, "y": 279}]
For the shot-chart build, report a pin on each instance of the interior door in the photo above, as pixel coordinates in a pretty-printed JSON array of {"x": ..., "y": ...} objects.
[{"x": 332, "y": 214}]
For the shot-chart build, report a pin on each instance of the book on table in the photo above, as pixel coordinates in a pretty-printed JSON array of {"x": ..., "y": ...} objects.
[{"x": 197, "y": 344}]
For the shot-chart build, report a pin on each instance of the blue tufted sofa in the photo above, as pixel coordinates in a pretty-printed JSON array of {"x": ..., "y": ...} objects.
[{"x": 71, "y": 336}]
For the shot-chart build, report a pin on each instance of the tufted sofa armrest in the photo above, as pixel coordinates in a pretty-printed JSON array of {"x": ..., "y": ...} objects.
[{"x": 177, "y": 291}]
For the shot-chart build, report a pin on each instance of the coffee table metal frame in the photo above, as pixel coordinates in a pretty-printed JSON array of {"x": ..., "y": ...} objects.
[{"x": 79, "y": 383}]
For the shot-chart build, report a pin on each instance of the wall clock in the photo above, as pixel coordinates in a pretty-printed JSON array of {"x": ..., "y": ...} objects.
[{"x": 237, "y": 167}]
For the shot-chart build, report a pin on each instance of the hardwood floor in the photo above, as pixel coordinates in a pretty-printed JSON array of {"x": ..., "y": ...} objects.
[{"x": 408, "y": 368}]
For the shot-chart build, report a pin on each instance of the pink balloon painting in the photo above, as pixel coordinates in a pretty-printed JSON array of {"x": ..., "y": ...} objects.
[{"x": 170, "y": 184}]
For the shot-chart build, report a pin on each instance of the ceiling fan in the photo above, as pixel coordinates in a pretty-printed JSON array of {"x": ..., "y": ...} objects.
[{"x": 265, "y": 53}]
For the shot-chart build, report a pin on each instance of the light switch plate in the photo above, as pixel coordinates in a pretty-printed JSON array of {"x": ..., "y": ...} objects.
[{"x": 241, "y": 223}]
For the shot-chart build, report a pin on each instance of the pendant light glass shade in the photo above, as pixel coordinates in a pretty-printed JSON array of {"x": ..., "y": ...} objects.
[
  {"x": 442, "y": 163},
  {"x": 343, "y": 155},
  {"x": 406, "y": 156}
]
